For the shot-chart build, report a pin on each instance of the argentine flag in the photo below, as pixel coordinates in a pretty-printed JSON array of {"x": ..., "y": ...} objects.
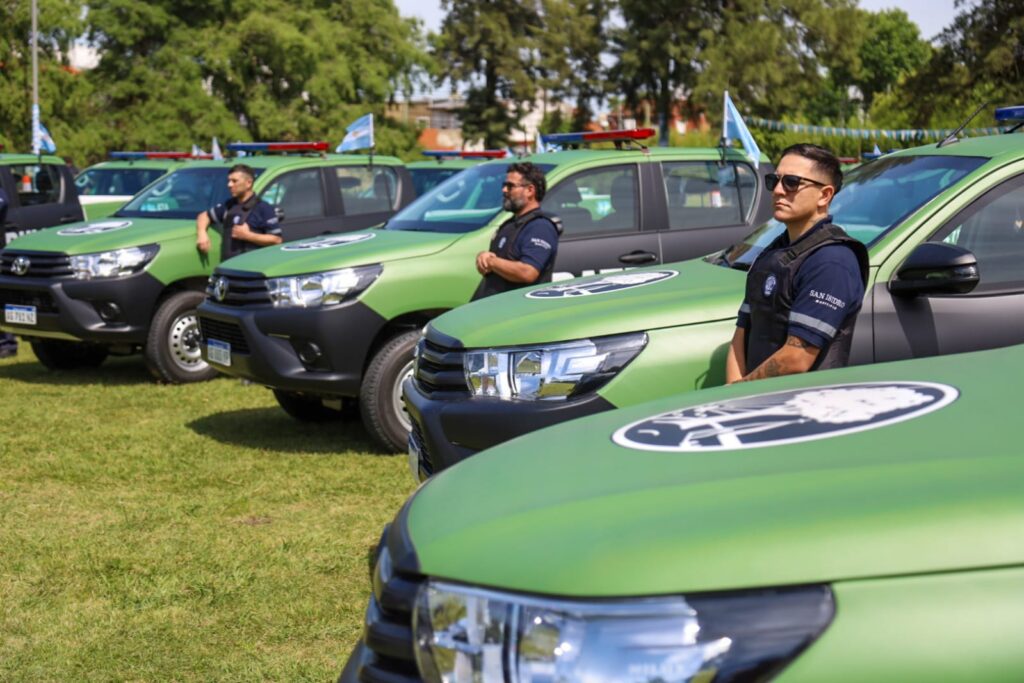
[
  {"x": 359, "y": 135},
  {"x": 733, "y": 128}
]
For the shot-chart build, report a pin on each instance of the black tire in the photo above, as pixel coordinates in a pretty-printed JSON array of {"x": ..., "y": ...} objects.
[
  {"x": 172, "y": 350},
  {"x": 380, "y": 401},
  {"x": 56, "y": 354},
  {"x": 306, "y": 408}
]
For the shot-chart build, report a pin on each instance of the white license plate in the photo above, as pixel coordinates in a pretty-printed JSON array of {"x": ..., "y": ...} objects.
[
  {"x": 218, "y": 352},
  {"x": 20, "y": 315}
]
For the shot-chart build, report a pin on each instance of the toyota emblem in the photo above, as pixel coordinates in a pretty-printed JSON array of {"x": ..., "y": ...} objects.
[
  {"x": 220, "y": 288},
  {"x": 20, "y": 265}
]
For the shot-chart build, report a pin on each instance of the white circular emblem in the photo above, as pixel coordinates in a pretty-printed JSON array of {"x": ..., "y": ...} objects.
[
  {"x": 769, "y": 285},
  {"x": 785, "y": 417},
  {"x": 95, "y": 228},
  {"x": 328, "y": 242},
  {"x": 609, "y": 283}
]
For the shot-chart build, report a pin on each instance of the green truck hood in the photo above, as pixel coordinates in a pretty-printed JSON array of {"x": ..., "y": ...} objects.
[
  {"x": 105, "y": 234},
  {"x": 362, "y": 247},
  {"x": 699, "y": 292},
  {"x": 566, "y": 511}
]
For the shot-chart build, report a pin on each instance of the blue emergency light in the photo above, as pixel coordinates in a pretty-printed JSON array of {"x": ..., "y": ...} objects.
[
  {"x": 135, "y": 156},
  {"x": 465, "y": 154},
  {"x": 1007, "y": 114},
  {"x": 253, "y": 147},
  {"x": 598, "y": 136}
]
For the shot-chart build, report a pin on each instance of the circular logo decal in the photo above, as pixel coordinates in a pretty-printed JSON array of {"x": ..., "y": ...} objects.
[
  {"x": 95, "y": 228},
  {"x": 785, "y": 417},
  {"x": 328, "y": 242},
  {"x": 609, "y": 283},
  {"x": 769, "y": 285}
]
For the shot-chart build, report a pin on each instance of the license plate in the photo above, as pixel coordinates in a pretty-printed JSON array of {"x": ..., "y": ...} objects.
[
  {"x": 218, "y": 352},
  {"x": 20, "y": 315}
]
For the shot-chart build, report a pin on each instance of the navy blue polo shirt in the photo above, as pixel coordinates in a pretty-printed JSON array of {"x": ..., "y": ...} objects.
[
  {"x": 262, "y": 219},
  {"x": 827, "y": 290},
  {"x": 537, "y": 244}
]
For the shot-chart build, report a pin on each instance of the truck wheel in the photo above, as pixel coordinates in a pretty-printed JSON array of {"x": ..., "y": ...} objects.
[
  {"x": 172, "y": 346},
  {"x": 380, "y": 398},
  {"x": 56, "y": 354},
  {"x": 311, "y": 408}
]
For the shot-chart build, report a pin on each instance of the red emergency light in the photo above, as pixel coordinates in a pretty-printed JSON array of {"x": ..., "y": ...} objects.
[
  {"x": 466, "y": 154},
  {"x": 135, "y": 156},
  {"x": 252, "y": 147},
  {"x": 598, "y": 136}
]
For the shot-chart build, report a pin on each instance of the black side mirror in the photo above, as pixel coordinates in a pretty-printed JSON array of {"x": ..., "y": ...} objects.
[
  {"x": 936, "y": 268},
  {"x": 279, "y": 212}
]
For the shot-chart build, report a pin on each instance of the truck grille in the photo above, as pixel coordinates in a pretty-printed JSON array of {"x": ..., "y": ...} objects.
[
  {"x": 242, "y": 289},
  {"x": 40, "y": 264},
  {"x": 388, "y": 628},
  {"x": 416, "y": 440},
  {"x": 439, "y": 368},
  {"x": 222, "y": 331},
  {"x": 41, "y": 299}
]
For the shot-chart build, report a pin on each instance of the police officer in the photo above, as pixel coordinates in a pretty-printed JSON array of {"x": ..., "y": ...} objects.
[
  {"x": 523, "y": 250},
  {"x": 253, "y": 222},
  {"x": 805, "y": 289},
  {"x": 8, "y": 342}
]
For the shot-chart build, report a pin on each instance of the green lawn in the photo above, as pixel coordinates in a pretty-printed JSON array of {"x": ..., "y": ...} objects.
[{"x": 179, "y": 533}]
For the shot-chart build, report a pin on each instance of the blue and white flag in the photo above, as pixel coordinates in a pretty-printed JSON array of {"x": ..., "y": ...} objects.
[
  {"x": 215, "y": 151},
  {"x": 41, "y": 139},
  {"x": 876, "y": 151},
  {"x": 196, "y": 151},
  {"x": 733, "y": 128},
  {"x": 359, "y": 135},
  {"x": 46, "y": 141}
]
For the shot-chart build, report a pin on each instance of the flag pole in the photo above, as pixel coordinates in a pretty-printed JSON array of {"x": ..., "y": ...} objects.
[{"x": 36, "y": 146}]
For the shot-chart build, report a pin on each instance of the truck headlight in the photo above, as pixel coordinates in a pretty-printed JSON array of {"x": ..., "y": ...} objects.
[
  {"x": 116, "y": 263},
  {"x": 321, "y": 289},
  {"x": 468, "y": 635},
  {"x": 553, "y": 371}
]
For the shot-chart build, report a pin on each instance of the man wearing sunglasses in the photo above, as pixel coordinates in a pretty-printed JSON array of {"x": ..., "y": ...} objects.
[
  {"x": 524, "y": 248},
  {"x": 805, "y": 289}
]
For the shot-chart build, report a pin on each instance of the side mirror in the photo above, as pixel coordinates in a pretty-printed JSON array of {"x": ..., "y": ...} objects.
[
  {"x": 936, "y": 268},
  {"x": 279, "y": 212}
]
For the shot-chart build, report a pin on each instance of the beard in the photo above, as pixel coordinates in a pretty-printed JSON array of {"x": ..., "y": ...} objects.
[{"x": 510, "y": 204}]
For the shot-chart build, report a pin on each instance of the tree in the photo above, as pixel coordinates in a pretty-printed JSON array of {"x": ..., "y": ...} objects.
[
  {"x": 570, "y": 47},
  {"x": 491, "y": 47},
  {"x": 891, "y": 50}
]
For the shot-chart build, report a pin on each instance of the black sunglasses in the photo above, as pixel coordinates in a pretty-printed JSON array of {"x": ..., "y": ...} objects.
[
  {"x": 790, "y": 183},
  {"x": 510, "y": 186}
]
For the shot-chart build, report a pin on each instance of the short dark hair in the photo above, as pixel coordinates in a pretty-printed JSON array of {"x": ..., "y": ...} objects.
[
  {"x": 243, "y": 168},
  {"x": 824, "y": 160},
  {"x": 532, "y": 174}
]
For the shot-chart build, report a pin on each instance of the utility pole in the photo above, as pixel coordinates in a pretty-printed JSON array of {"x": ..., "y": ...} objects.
[{"x": 36, "y": 142}]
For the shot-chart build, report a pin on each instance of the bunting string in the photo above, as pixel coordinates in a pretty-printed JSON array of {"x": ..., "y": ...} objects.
[{"x": 903, "y": 135}]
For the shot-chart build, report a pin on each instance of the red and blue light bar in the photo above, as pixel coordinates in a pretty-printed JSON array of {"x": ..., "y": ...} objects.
[
  {"x": 465, "y": 154},
  {"x": 598, "y": 136},
  {"x": 135, "y": 156},
  {"x": 253, "y": 147},
  {"x": 1010, "y": 113}
]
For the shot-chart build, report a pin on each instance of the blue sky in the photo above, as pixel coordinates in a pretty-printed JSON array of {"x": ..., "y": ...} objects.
[{"x": 931, "y": 15}]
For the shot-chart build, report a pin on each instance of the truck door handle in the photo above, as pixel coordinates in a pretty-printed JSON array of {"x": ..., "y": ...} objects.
[
  {"x": 636, "y": 257},
  {"x": 68, "y": 219}
]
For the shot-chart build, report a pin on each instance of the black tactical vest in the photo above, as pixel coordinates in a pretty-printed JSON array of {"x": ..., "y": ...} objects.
[
  {"x": 769, "y": 313},
  {"x": 504, "y": 246},
  {"x": 229, "y": 246}
]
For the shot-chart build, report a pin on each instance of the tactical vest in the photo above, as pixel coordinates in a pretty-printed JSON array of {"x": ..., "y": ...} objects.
[
  {"x": 771, "y": 300},
  {"x": 504, "y": 246},
  {"x": 228, "y": 243}
]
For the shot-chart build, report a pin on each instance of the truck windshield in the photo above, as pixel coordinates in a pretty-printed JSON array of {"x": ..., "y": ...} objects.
[
  {"x": 182, "y": 194},
  {"x": 94, "y": 182},
  {"x": 463, "y": 203},
  {"x": 875, "y": 199}
]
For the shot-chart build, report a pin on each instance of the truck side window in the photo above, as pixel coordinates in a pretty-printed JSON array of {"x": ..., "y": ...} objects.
[
  {"x": 992, "y": 228},
  {"x": 702, "y": 194},
  {"x": 298, "y": 194},
  {"x": 367, "y": 190},
  {"x": 603, "y": 200},
  {"x": 37, "y": 184}
]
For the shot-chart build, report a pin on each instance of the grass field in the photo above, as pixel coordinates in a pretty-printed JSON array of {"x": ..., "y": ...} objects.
[{"x": 179, "y": 533}]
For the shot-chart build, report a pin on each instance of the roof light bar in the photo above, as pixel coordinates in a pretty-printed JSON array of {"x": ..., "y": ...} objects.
[
  {"x": 598, "y": 136},
  {"x": 1010, "y": 113},
  {"x": 466, "y": 154},
  {"x": 132, "y": 156},
  {"x": 250, "y": 147}
]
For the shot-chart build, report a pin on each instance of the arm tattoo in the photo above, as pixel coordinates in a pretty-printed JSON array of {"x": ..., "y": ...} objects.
[
  {"x": 769, "y": 368},
  {"x": 799, "y": 343}
]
